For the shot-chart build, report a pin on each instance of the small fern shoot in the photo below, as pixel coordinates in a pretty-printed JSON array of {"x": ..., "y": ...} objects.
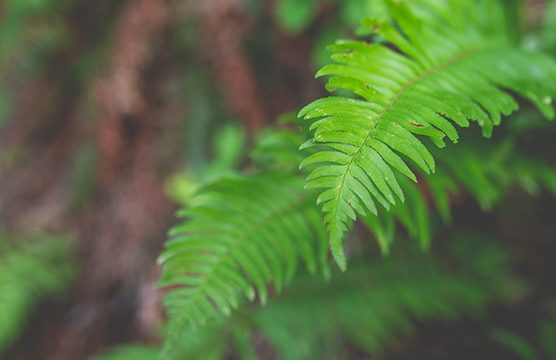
[{"x": 451, "y": 65}]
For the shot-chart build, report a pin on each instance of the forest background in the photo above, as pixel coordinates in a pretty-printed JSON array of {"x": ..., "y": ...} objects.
[{"x": 113, "y": 112}]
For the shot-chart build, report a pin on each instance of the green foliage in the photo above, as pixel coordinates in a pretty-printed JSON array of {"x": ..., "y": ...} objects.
[
  {"x": 227, "y": 153},
  {"x": 485, "y": 170},
  {"x": 432, "y": 63},
  {"x": 82, "y": 174},
  {"x": 258, "y": 228},
  {"x": 130, "y": 352},
  {"x": 371, "y": 306},
  {"x": 30, "y": 270},
  {"x": 453, "y": 65},
  {"x": 27, "y": 34},
  {"x": 213, "y": 342},
  {"x": 516, "y": 343},
  {"x": 277, "y": 152},
  {"x": 544, "y": 37},
  {"x": 547, "y": 334},
  {"x": 27, "y": 37},
  {"x": 444, "y": 62},
  {"x": 544, "y": 344},
  {"x": 294, "y": 15}
]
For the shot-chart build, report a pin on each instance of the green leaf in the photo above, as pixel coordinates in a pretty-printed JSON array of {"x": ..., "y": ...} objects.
[{"x": 294, "y": 16}]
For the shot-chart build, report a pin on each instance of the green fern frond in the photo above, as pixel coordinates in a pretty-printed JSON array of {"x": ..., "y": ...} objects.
[
  {"x": 520, "y": 346},
  {"x": 277, "y": 151},
  {"x": 486, "y": 171},
  {"x": 458, "y": 68},
  {"x": 371, "y": 306},
  {"x": 242, "y": 234},
  {"x": 217, "y": 341},
  {"x": 39, "y": 267}
]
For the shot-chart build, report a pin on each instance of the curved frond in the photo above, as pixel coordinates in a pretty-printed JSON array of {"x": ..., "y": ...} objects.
[
  {"x": 455, "y": 70},
  {"x": 242, "y": 234}
]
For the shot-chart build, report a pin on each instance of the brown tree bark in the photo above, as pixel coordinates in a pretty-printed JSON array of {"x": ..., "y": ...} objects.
[
  {"x": 224, "y": 24},
  {"x": 120, "y": 233}
]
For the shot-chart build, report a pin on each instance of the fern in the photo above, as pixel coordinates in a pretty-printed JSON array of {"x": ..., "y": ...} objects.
[
  {"x": 485, "y": 170},
  {"x": 515, "y": 343},
  {"x": 457, "y": 67},
  {"x": 493, "y": 166},
  {"x": 218, "y": 341},
  {"x": 543, "y": 345},
  {"x": 40, "y": 267},
  {"x": 371, "y": 306},
  {"x": 243, "y": 233}
]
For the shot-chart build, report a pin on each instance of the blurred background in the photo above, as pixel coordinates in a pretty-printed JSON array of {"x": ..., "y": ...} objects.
[{"x": 111, "y": 114}]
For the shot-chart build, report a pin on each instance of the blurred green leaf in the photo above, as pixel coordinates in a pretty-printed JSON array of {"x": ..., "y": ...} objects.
[
  {"x": 130, "y": 352},
  {"x": 516, "y": 343},
  {"x": 295, "y": 15},
  {"x": 32, "y": 268}
]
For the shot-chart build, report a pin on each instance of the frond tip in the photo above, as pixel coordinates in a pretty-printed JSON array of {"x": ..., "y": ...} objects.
[{"x": 449, "y": 72}]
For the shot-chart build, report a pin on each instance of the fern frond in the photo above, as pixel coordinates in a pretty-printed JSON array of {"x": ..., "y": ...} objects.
[
  {"x": 242, "y": 234},
  {"x": 371, "y": 306},
  {"x": 451, "y": 70},
  {"x": 277, "y": 151},
  {"x": 485, "y": 171},
  {"x": 40, "y": 267}
]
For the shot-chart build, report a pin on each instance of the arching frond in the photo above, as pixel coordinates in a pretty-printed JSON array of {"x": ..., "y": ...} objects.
[
  {"x": 242, "y": 234},
  {"x": 451, "y": 66}
]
